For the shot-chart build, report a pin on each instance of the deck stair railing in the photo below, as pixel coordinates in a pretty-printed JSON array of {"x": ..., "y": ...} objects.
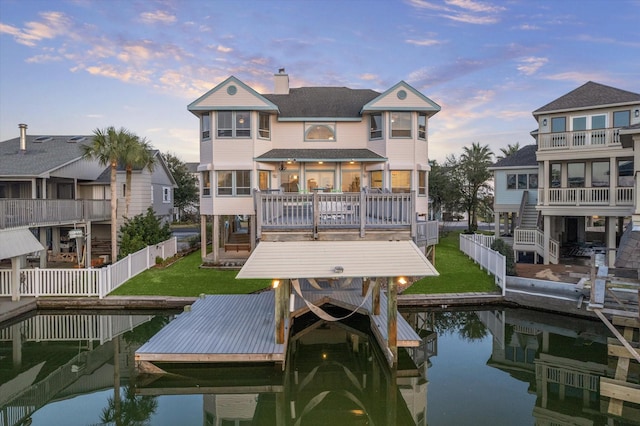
[
  {"x": 16, "y": 213},
  {"x": 87, "y": 282},
  {"x": 532, "y": 240}
]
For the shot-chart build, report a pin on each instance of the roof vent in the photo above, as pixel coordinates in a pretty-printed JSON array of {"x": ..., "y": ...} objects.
[{"x": 76, "y": 139}]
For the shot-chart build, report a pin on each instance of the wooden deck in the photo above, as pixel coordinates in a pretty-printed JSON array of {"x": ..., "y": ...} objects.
[{"x": 241, "y": 328}]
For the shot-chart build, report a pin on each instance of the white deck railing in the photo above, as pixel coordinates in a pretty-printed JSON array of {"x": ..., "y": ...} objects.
[
  {"x": 28, "y": 212},
  {"x": 86, "y": 282},
  {"x": 478, "y": 248},
  {"x": 623, "y": 196},
  {"x": 427, "y": 232},
  {"x": 355, "y": 210},
  {"x": 533, "y": 240},
  {"x": 584, "y": 139}
]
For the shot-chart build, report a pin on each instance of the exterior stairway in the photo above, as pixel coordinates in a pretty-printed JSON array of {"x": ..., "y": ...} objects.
[{"x": 529, "y": 218}]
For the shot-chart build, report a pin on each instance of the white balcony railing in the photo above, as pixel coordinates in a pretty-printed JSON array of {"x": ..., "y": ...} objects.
[
  {"x": 583, "y": 139},
  {"x": 29, "y": 212},
  {"x": 622, "y": 196}
]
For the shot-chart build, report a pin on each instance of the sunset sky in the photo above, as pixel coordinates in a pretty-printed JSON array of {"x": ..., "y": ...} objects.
[{"x": 69, "y": 67}]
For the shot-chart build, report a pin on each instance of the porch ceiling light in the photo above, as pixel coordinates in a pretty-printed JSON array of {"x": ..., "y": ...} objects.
[
  {"x": 275, "y": 283},
  {"x": 402, "y": 280},
  {"x": 338, "y": 269}
]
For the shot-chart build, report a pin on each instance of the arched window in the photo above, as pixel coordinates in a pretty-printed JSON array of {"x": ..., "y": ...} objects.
[{"x": 319, "y": 132}]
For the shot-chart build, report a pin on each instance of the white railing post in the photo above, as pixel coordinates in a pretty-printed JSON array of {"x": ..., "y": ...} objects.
[
  {"x": 148, "y": 257},
  {"x": 129, "y": 266}
]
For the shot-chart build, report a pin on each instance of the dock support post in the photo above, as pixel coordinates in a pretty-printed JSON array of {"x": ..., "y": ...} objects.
[
  {"x": 376, "y": 297},
  {"x": 365, "y": 286},
  {"x": 281, "y": 307},
  {"x": 392, "y": 320}
]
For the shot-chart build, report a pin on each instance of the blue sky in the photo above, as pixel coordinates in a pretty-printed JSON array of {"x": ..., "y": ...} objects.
[{"x": 69, "y": 67}]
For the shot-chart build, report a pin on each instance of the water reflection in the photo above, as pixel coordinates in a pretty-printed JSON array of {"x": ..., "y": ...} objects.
[{"x": 483, "y": 367}]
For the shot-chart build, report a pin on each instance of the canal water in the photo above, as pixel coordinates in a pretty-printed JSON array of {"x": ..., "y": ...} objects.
[{"x": 489, "y": 367}]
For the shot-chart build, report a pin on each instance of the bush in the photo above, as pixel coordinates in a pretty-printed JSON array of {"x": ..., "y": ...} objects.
[
  {"x": 506, "y": 250},
  {"x": 141, "y": 231}
]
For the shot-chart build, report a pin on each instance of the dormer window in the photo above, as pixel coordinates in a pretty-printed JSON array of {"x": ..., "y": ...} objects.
[{"x": 320, "y": 132}]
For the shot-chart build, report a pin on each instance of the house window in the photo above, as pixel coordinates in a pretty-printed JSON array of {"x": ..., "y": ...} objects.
[
  {"x": 620, "y": 119},
  {"x": 166, "y": 194},
  {"x": 533, "y": 181},
  {"x": 205, "y": 125},
  {"x": 555, "y": 175},
  {"x": 234, "y": 124},
  {"x": 375, "y": 126},
  {"x": 264, "y": 180},
  {"x": 511, "y": 181},
  {"x": 600, "y": 174},
  {"x": 350, "y": 180},
  {"x": 320, "y": 180},
  {"x": 234, "y": 182},
  {"x": 422, "y": 182},
  {"x": 575, "y": 175},
  {"x": 289, "y": 179},
  {"x": 558, "y": 124},
  {"x": 422, "y": 126},
  {"x": 375, "y": 180},
  {"x": 401, "y": 181},
  {"x": 400, "y": 124},
  {"x": 625, "y": 173},
  {"x": 522, "y": 181},
  {"x": 320, "y": 132},
  {"x": 264, "y": 126},
  {"x": 588, "y": 130},
  {"x": 206, "y": 184}
]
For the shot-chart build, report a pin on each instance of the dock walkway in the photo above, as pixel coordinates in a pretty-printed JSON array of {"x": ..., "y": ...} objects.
[{"x": 240, "y": 328}]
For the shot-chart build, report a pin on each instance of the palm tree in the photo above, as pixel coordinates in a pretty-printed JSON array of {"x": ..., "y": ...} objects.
[
  {"x": 106, "y": 147},
  {"x": 474, "y": 165},
  {"x": 136, "y": 153},
  {"x": 509, "y": 150}
]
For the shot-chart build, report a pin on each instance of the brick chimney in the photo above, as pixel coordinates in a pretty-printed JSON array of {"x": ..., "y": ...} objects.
[
  {"x": 281, "y": 83},
  {"x": 23, "y": 138}
]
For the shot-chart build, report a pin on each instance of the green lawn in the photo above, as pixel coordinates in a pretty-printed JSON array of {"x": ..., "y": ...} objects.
[
  {"x": 186, "y": 278},
  {"x": 458, "y": 274}
]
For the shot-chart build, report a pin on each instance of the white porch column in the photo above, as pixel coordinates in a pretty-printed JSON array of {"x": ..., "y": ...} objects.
[
  {"x": 44, "y": 253},
  {"x": 613, "y": 184},
  {"x": 610, "y": 232},
  {"x": 547, "y": 238},
  {"x": 203, "y": 236},
  {"x": 215, "y": 238},
  {"x": 496, "y": 225},
  {"x": 87, "y": 244},
  {"x": 543, "y": 179}
]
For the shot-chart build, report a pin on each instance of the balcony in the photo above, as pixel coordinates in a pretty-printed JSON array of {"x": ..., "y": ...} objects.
[
  {"x": 583, "y": 139},
  {"x": 615, "y": 196},
  {"x": 358, "y": 212},
  {"x": 16, "y": 213}
]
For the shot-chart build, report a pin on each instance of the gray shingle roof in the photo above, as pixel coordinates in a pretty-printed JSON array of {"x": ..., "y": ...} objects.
[
  {"x": 302, "y": 155},
  {"x": 319, "y": 102},
  {"x": 590, "y": 94},
  {"x": 524, "y": 157},
  {"x": 39, "y": 158}
]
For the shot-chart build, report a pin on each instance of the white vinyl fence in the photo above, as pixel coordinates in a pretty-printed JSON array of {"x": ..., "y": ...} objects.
[
  {"x": 478, "y": 248},
  {"x": 87, "y": 282}
]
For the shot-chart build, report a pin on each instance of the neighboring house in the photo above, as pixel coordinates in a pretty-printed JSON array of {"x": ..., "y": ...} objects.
[
  {"x": 194, "y": 208},
  {"x": 320, "y": 143},
  {"x": 47, "y": 188},
  {"x": 149, "y": 189},
  {"x": 516, "y": 191},
  {"x": 584, "y": 169}
]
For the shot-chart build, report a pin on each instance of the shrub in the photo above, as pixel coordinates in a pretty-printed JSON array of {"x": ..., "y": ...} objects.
[
  {"x": 506, "y": 250},
  {"x": 140, "y": 231},
  {"x": 159, "y": 260}
]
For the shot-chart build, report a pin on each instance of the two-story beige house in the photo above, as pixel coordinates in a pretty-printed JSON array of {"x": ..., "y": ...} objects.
[
  {"x": 307, "y": 158},
  {"x": 586, "y": 173}
]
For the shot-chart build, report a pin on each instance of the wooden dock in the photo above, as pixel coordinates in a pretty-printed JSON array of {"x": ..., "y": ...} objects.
[
  {"x": 240, "y": 328},
  {"x": 220, "y": 328}
]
